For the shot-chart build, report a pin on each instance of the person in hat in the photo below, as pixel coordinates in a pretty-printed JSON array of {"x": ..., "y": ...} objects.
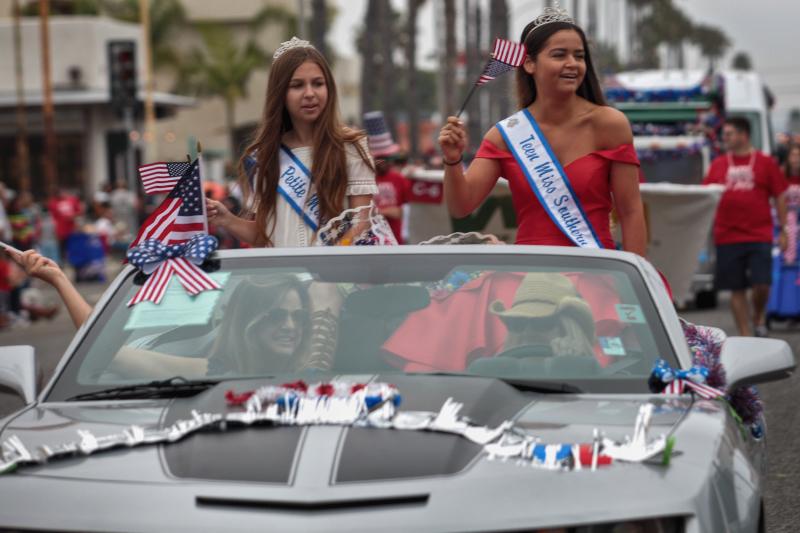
[
  {"x": 393, "y": 187},
  {"x": 548, "y": 311}
]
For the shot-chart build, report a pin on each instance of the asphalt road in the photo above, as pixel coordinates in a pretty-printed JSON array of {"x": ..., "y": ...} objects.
[{"x": 50, "y": 338}]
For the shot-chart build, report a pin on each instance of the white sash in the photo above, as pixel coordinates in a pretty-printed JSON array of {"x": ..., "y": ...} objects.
[
  {"x": 294, "y": 185},
  {"x": 547, "y": 178}
]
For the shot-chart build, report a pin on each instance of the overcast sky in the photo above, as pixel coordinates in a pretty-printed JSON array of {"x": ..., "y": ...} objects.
[{"x": 768, "y": 30}]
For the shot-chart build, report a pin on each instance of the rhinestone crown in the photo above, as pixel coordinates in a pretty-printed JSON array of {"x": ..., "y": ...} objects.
[
  {"x": 294, "y": 42},
  {"x": 549, "y": 15}
]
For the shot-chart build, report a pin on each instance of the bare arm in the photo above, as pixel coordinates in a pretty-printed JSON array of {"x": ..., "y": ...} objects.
[
  {"x": 465, "y": 191},
  {"x": 243, "y": 229},
  {"x": 630, "y": 210},
  {"x": 38, "y": 266},
  {"x": 613, "y": 129},
  {"x": 138, "y": 363}
]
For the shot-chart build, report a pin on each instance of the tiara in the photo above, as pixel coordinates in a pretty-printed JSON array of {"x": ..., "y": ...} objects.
[
  {"x": 294, "y": 42},
  {"x": 550, "y": 15}
]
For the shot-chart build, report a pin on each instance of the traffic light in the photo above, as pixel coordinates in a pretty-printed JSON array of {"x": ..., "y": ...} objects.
[{"x": 122, "y": 72}]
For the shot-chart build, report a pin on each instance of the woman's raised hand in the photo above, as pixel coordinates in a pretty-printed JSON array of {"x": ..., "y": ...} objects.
[
  {"x": 217, "y": 213},
  {"x": 453, "y": 139},
  {"x": 38, "y": 266}
]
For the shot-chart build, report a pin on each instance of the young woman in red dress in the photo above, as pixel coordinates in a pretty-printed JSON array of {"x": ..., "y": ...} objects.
[
  {"x": 558, "y": 86},
  {"x": 592, "y": 141}
]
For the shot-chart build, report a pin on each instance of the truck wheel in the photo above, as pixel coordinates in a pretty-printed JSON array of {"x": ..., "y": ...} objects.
[{"x": 706, "y": 299}]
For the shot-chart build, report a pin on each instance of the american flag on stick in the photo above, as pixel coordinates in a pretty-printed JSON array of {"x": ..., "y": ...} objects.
[
  {"x": 161, "y": 177},
  {"x": 181, "y": 215},
  {"x": 507, "y": 55}
]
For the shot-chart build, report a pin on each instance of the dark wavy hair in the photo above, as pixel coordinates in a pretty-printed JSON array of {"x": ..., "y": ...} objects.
[{"x": 534, "y": 41}]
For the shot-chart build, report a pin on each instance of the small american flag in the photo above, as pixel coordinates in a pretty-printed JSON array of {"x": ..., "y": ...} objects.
[
  {"x": 379, "y": 138},
  {"x": 161, "y": 177},
  {"x": 507, "y": 55},
  {"x": 182, "y": 213}
]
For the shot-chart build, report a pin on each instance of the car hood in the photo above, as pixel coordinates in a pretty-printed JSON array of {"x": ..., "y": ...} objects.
[{"x": 325, "y": 464}]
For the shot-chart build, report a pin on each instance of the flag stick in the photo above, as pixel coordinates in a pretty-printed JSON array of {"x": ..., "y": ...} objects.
[{"x": 466, "y": 100}]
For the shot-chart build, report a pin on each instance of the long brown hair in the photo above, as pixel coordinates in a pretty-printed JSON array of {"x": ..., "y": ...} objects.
[
  {"x": 329, "y": 167},
  {"x": 534, "y": 40}
]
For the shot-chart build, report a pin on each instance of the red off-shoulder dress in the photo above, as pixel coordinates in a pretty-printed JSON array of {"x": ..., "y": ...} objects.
[{"x": 590, "y": 177}]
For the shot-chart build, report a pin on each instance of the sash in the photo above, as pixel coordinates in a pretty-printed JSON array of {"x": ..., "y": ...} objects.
[
  {"x": 547, "y": 178},
  {"x": 294, "y": 185}
]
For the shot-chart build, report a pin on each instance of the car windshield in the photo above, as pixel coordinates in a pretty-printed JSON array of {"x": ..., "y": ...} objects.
[{"x": 588, "y": 322}]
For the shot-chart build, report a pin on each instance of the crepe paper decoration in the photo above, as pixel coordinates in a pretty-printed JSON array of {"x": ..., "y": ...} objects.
[{"x": 364, "y": 405}]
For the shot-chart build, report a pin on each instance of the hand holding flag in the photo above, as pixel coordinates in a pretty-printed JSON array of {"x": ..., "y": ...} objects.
[{"x": 507, "y": 55}]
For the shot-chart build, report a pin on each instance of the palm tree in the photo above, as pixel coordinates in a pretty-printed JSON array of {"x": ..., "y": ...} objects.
[
  {"x": 449, "y": 68},
  {"x": 712, "y": 42},
  {"x": 388, "y": 78},
  {"x": 319, "y": 22},
  {"x": 367, "y": 45},
  {"x": 500, "y": 95},
  {"x": 412, "y": 96},
  {"x": 742, "y": 61},
  {"x": 667, "y": 24},
  {"x": 221, "y": 68}
]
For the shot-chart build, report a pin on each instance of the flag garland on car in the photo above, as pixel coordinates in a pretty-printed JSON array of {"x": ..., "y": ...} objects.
[{"x": 366, "y": 405}]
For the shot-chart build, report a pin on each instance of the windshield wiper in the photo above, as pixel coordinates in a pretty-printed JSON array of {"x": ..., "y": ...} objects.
[
  {"x": 543, "y": 386},
  {"x": 173, "y": 387}
]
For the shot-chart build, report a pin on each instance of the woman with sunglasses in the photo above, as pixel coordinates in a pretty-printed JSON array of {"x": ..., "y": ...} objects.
[{"x": 265, "y": 329}]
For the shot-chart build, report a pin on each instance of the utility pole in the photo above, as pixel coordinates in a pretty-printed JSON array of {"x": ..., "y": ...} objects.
[
  {"x": 50, "y": 177},
  {"x": 23, "y": 158},
  {"x": 149, "y": 107}
]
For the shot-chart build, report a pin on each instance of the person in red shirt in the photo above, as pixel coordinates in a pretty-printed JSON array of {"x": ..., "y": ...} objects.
[
  {"x": 743, "y": 228},
  {"x": 64, "y": 208},
  {"x": 393, "y": 190}
]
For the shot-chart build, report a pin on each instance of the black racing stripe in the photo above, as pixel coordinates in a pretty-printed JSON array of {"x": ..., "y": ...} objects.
[
  {"x": 257, "y": 454},
  {"x": 382, "y": 454}
]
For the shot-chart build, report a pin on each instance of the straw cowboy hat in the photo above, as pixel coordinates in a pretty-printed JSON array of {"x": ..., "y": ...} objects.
[{"x": 545, "y": 294}]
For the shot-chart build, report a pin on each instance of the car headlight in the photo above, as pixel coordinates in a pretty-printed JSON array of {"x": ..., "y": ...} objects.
[{"x": 655, "y": 525}]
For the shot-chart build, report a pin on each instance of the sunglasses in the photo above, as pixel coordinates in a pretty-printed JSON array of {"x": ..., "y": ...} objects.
[{"x": 279, "y": 315}]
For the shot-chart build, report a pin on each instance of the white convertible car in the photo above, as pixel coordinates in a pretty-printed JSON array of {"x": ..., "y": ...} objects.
[{"x": 419, "y": 388}]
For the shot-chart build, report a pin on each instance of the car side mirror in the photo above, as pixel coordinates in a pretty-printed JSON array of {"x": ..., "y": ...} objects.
[
  {"x": 18, "y": 371},
  {"x": 750, "y": 360}
]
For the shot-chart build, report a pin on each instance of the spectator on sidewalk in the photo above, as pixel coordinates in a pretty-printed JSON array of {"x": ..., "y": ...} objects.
[
  {"x": 65, "y": 208},
  {"x": 743, "y": 228}
]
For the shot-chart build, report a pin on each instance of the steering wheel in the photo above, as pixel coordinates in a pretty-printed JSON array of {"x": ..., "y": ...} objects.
[{"x": 527, "y": 350}]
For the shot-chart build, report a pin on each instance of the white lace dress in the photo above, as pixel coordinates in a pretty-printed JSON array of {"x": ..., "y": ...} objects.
[{"x": 290, "y": 230}]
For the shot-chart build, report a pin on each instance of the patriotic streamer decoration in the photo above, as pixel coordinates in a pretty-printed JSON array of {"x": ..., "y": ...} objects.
[
  {"x": 162, "y": 261},
  {"x": 705, "y": 344},
  {"x": 359, "y": 405}
]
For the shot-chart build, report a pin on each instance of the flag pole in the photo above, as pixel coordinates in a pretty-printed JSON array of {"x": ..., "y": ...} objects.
[
  {"x": 202, "y": 189},
  {"x": 466, "y": 100}
]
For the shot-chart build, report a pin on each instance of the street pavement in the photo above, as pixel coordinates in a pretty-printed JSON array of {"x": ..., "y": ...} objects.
[{"x": 50, "y": 339}]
